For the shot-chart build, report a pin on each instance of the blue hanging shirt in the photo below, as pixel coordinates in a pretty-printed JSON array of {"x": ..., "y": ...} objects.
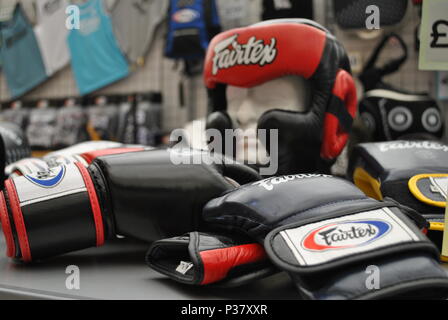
[
  {"x": 22, "y": 62},
  {"x": 96, "y": 60}
]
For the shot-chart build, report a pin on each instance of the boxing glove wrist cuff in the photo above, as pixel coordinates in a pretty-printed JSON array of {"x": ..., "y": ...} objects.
[
  {"x": 103, "y": 192},
  {"x": 75, "y": 213},
  {"x": 206, "y": 259},
  {"x": 346, "y": 246},
  {"x": 326, "y": 234},
  {"x": 350, "y": 238}
]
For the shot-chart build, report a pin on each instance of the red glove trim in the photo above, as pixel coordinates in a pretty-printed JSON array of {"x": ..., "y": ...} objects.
[
  {"x": 94, "y": 203},
  {"x": 90, "y": 156},
  {"x": 6, "y": 226},
  {"x": 218, "y": 262},
  {"x": 18, "y": 221}
]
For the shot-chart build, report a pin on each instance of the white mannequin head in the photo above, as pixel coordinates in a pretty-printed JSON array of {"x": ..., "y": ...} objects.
[{"x": 246, "y": 106}]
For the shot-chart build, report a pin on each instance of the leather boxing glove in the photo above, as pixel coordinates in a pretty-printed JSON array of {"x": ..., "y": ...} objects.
[
  {"x": 83, "y": 152},
  {"x": 328, "y": 235},
  {"x": 147, "y": 195},
  {"x": 202, "y": 259},
  {"x": 414, "y": 173}
]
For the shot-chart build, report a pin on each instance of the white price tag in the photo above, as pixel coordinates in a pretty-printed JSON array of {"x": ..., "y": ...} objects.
[{"x": 434, "y": 36}]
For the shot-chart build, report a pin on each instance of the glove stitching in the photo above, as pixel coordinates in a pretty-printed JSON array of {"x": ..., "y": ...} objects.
[
  {"x": 102, "y": 192},
  {"x": 317, "y": 207},
  {"x": 19, "y": 222},
  {"x": 245, "y": 219},
  {"x": 200, "y": 263}
]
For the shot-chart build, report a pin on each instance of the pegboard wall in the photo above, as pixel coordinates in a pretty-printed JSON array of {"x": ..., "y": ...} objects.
[{"x": 165, "y": 76}]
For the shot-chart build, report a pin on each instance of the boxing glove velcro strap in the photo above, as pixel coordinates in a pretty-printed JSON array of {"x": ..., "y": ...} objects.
[
  {"x": 331, "y": 244},
  {"x": 74, "y": 221},
  {"x": 205, "y": 259}
]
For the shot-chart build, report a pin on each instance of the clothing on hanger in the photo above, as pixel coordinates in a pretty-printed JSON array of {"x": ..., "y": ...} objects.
[
  {"x": 51, "y": 34},
  {"x": 236, "y": 13},
  {"x": 135, "y": 23},
  {"x": 19, "y": 51},
  {"x": 278, "y": 9},
  {"x": 96, "y": 58}
]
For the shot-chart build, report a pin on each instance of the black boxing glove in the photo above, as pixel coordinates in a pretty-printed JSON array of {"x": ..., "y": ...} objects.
[
  {"x": 84, "y": 152},
  {"x": 326, "y": 234},
  {"x": 147, "y": 195},
  {"x": 199, "y": 258},
  {"x": 413, "y": 173}
]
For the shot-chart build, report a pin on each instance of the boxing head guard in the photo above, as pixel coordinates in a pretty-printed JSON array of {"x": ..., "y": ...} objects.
[{"x": 251, "y": 56}]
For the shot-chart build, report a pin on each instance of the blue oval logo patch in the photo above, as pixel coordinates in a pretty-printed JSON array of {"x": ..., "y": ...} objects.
[
  {"x": 49, "y": 178},
  {"x": 185, "y": 16},
  {"x": 345, "y": 235}
]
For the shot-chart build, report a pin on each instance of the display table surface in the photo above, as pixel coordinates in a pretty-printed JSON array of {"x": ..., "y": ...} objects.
[{"x": 118, "y": 271}]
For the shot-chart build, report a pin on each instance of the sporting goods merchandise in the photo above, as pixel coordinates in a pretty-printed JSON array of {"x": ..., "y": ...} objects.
[
  {"x": 49, "y": 34},
  {"x": 248, "y": 57},
  {"x": 351, "y": 14},
  {"x": 42, "y": 128},
  {"x": 15, "y": 144},
  {"x": 96, "y": 58},
  {"x": 83, "y": 152},
  {"x": 16, "y": 114},
  {"x": 390, "y": 113},
  {"x": 136, "y": 38},
  {"x": 147, "y": 195},
  {"x": 71, "y": 126},
  {"x": 22, "y": 62},
  {"x": 237, "y": 13},
  {"x": 329, "y": 237},
  {"x": 414, "y": 173},
  {"x": 274, "y": 9},
  {"x": 200, "y": 258},
  {"x": 190, "y": 27}
]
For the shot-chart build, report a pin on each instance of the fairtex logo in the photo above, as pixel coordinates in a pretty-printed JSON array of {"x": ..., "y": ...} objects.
[
  {"x": 185, "y": 16},
  {"x": 49, "y": 178},
  {"x": 345, "y": 235},
  {"x": 230, "y": 53},
  {"x": 403, "y": 145},
  {"x": 270, "y": 183}
]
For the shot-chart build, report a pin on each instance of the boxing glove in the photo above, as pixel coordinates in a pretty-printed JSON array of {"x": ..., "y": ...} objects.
[
  {"x": 147, "y": 195},
  {"x": 199, "y": 258},
  {"x": 414, "y": 173},
  {"x": 328, "y": 236},
  {"x": 83, "y": 152}
]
